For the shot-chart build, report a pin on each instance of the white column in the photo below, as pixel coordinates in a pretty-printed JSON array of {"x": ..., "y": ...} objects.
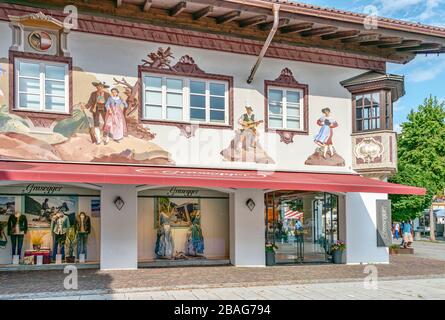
[
  {"x": 361, "y": 229},
  {"x": 247, "y": 239},
  {"x": 118, "y": 228}
]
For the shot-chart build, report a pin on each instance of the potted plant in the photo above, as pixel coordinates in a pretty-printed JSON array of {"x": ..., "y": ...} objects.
[
  {"x": 270, "y": 254},
  {"x": 37, "y": 239},
  {"x": 71, "y": 241},
  {"x": 393, "y": 249},
  {"x": 337, "y": 249}
]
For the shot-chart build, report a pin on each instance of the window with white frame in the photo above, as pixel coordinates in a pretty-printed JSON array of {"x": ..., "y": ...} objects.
[
  {"x": 41, "y": 86},
  {"x": 171, "y": 98},
  {"x": 285, "y": 109}
]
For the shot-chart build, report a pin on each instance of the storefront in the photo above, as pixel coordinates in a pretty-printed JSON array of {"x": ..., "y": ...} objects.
[
  {"x": 57, "y": 224},
  {"x": 303, "y": 225},
  {"x": 198, "y": 143}
]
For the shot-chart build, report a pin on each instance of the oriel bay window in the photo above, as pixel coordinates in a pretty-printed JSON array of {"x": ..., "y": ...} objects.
[
  {"x": 373, "y": 95},
  {"x": 372, "y": 111},
  {"x": 41, "y": 86},
  {"x": 183, "y": 99}
]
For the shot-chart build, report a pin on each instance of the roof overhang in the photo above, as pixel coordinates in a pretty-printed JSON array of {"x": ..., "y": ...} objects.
[
  {"x": 372, "y": 80},
  {"x": 171, "y": 176},
  {"x": 300, "y": 24}
]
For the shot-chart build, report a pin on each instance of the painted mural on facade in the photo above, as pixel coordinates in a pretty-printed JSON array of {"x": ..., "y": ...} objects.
[
  {"x": 245, "y": 147},
  {"x": 325, "y": 153},
  {"x": 103, "y": 127},
  {"x": 110, "y": 118}
]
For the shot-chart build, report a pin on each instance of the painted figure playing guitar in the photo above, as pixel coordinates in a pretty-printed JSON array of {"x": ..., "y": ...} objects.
[{"x": 248, "y": 131}]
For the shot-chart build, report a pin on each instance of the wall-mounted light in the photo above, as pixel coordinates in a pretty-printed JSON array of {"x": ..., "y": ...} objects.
[
  {"x": 119, "y": 203},
  {"x": 250, "y": 204}
]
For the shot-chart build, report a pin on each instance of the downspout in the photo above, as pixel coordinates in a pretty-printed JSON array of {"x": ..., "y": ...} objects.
[{"x": 276, "y": 21}]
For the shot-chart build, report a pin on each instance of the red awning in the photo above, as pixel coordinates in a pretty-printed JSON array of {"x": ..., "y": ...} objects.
[{"x": 172, "y": 176}]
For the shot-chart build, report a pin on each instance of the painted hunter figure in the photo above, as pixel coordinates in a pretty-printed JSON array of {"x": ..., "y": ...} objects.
[
  {"x": 325, "y": 153},
  {"x": 115, "y": 123},
  {"x": 96, "y": 105},
  {"x": 245, "y": 146}
]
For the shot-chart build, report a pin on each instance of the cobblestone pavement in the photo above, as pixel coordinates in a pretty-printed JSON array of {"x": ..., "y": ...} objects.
[
  {"x": 406, "y": 267},
  {"x": 430, "y": 250},
  {"x": 415, "y": 289}
]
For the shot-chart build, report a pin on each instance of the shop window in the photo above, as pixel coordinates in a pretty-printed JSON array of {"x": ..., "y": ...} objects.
[
  {"x": 373, "y": 111},
  {"x": 180, "y": 99},
  {"x": 285, "y": 108},
  {"x": 41, "y": 86}
]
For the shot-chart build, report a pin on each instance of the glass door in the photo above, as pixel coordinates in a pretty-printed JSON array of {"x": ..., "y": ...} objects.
[{"x": 302, "y": 225}]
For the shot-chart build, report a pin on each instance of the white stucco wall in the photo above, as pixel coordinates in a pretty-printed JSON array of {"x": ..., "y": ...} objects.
[
  {"x": 204, "y": 149},
  {"x": 361, "y": 234},
  {"x": 247, "y": 238},
  {"x": 119, "y": 244},
  {"x": 104, "y": 58}
]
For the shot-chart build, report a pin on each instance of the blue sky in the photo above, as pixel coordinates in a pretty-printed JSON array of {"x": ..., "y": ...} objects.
[{"x": 423, "y": 75}]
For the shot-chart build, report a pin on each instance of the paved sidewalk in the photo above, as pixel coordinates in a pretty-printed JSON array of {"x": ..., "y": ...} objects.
[
  {"x": 429, "y": 250},
  {"x": 415, "y": 289},
  {"x": 165, "y": 279}
]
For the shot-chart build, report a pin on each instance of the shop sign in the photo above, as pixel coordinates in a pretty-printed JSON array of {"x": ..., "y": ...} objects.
[
  {"x": 384, "y": 236},
  {"x": 44, "y": 189},
  {"x": 175, "y": 191}
]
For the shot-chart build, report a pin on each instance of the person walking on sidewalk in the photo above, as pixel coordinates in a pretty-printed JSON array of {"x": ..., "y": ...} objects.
[
  {"x": 407, "y": 235},
  {"x": 396, "y": 230}
]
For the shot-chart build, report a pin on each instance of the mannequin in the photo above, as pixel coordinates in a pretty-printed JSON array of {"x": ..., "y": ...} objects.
[
  {"x": 59, "y": 227},
  {"x": 17, "y": 228},
  {"x": 164, "y": 242},
  {"x": 83, "y": 228},
  {"x": 195, "y": 239}
]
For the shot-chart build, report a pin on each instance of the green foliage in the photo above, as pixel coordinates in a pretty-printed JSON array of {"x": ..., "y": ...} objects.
[{"x": 421, "y": 158}]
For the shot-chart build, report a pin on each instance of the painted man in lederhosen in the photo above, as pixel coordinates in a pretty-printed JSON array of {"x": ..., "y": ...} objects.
[{"x": 96, "y": 104}]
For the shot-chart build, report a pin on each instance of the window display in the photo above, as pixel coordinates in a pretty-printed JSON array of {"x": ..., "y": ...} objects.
[
  {"x": 174, "y": 213},
  {"x": 50, "y": 224}
]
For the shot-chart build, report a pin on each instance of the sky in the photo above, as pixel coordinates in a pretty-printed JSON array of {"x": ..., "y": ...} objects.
[{"x": 425, "y": 75}]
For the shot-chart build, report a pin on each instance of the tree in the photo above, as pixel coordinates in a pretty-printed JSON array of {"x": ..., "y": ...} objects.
[{"x": 421, "y": 160}]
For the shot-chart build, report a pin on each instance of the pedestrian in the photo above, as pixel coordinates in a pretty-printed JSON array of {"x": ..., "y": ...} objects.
[
  {"x": 396, "y": 230},
  {"x": 407, "y": 235}
]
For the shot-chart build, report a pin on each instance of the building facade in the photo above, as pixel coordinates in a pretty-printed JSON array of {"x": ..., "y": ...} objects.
[{"x": 197, "y": 133}]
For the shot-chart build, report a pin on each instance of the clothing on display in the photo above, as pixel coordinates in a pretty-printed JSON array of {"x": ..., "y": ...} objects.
[
  {"x": 82, "y": 240},
  {"x": 17, "y": 224},
  {"x": 83, "y": 228},
  {"x": 17, "y": 244},
  {"x": 17, "y": 228},
  {"x": 83, "y": 223},
  {"x": 59, "y": 245},
  {"x": 164, "y": 241},
  {"x": 195, "y": 239},
  {"x": 59, "y": 227}
]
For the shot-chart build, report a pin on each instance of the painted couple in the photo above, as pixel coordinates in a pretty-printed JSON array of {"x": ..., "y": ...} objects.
[{"x": 109, "y": 107}]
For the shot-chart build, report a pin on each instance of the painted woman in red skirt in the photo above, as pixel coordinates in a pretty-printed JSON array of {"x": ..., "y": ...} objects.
[{"x": 324, "y": 137}]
